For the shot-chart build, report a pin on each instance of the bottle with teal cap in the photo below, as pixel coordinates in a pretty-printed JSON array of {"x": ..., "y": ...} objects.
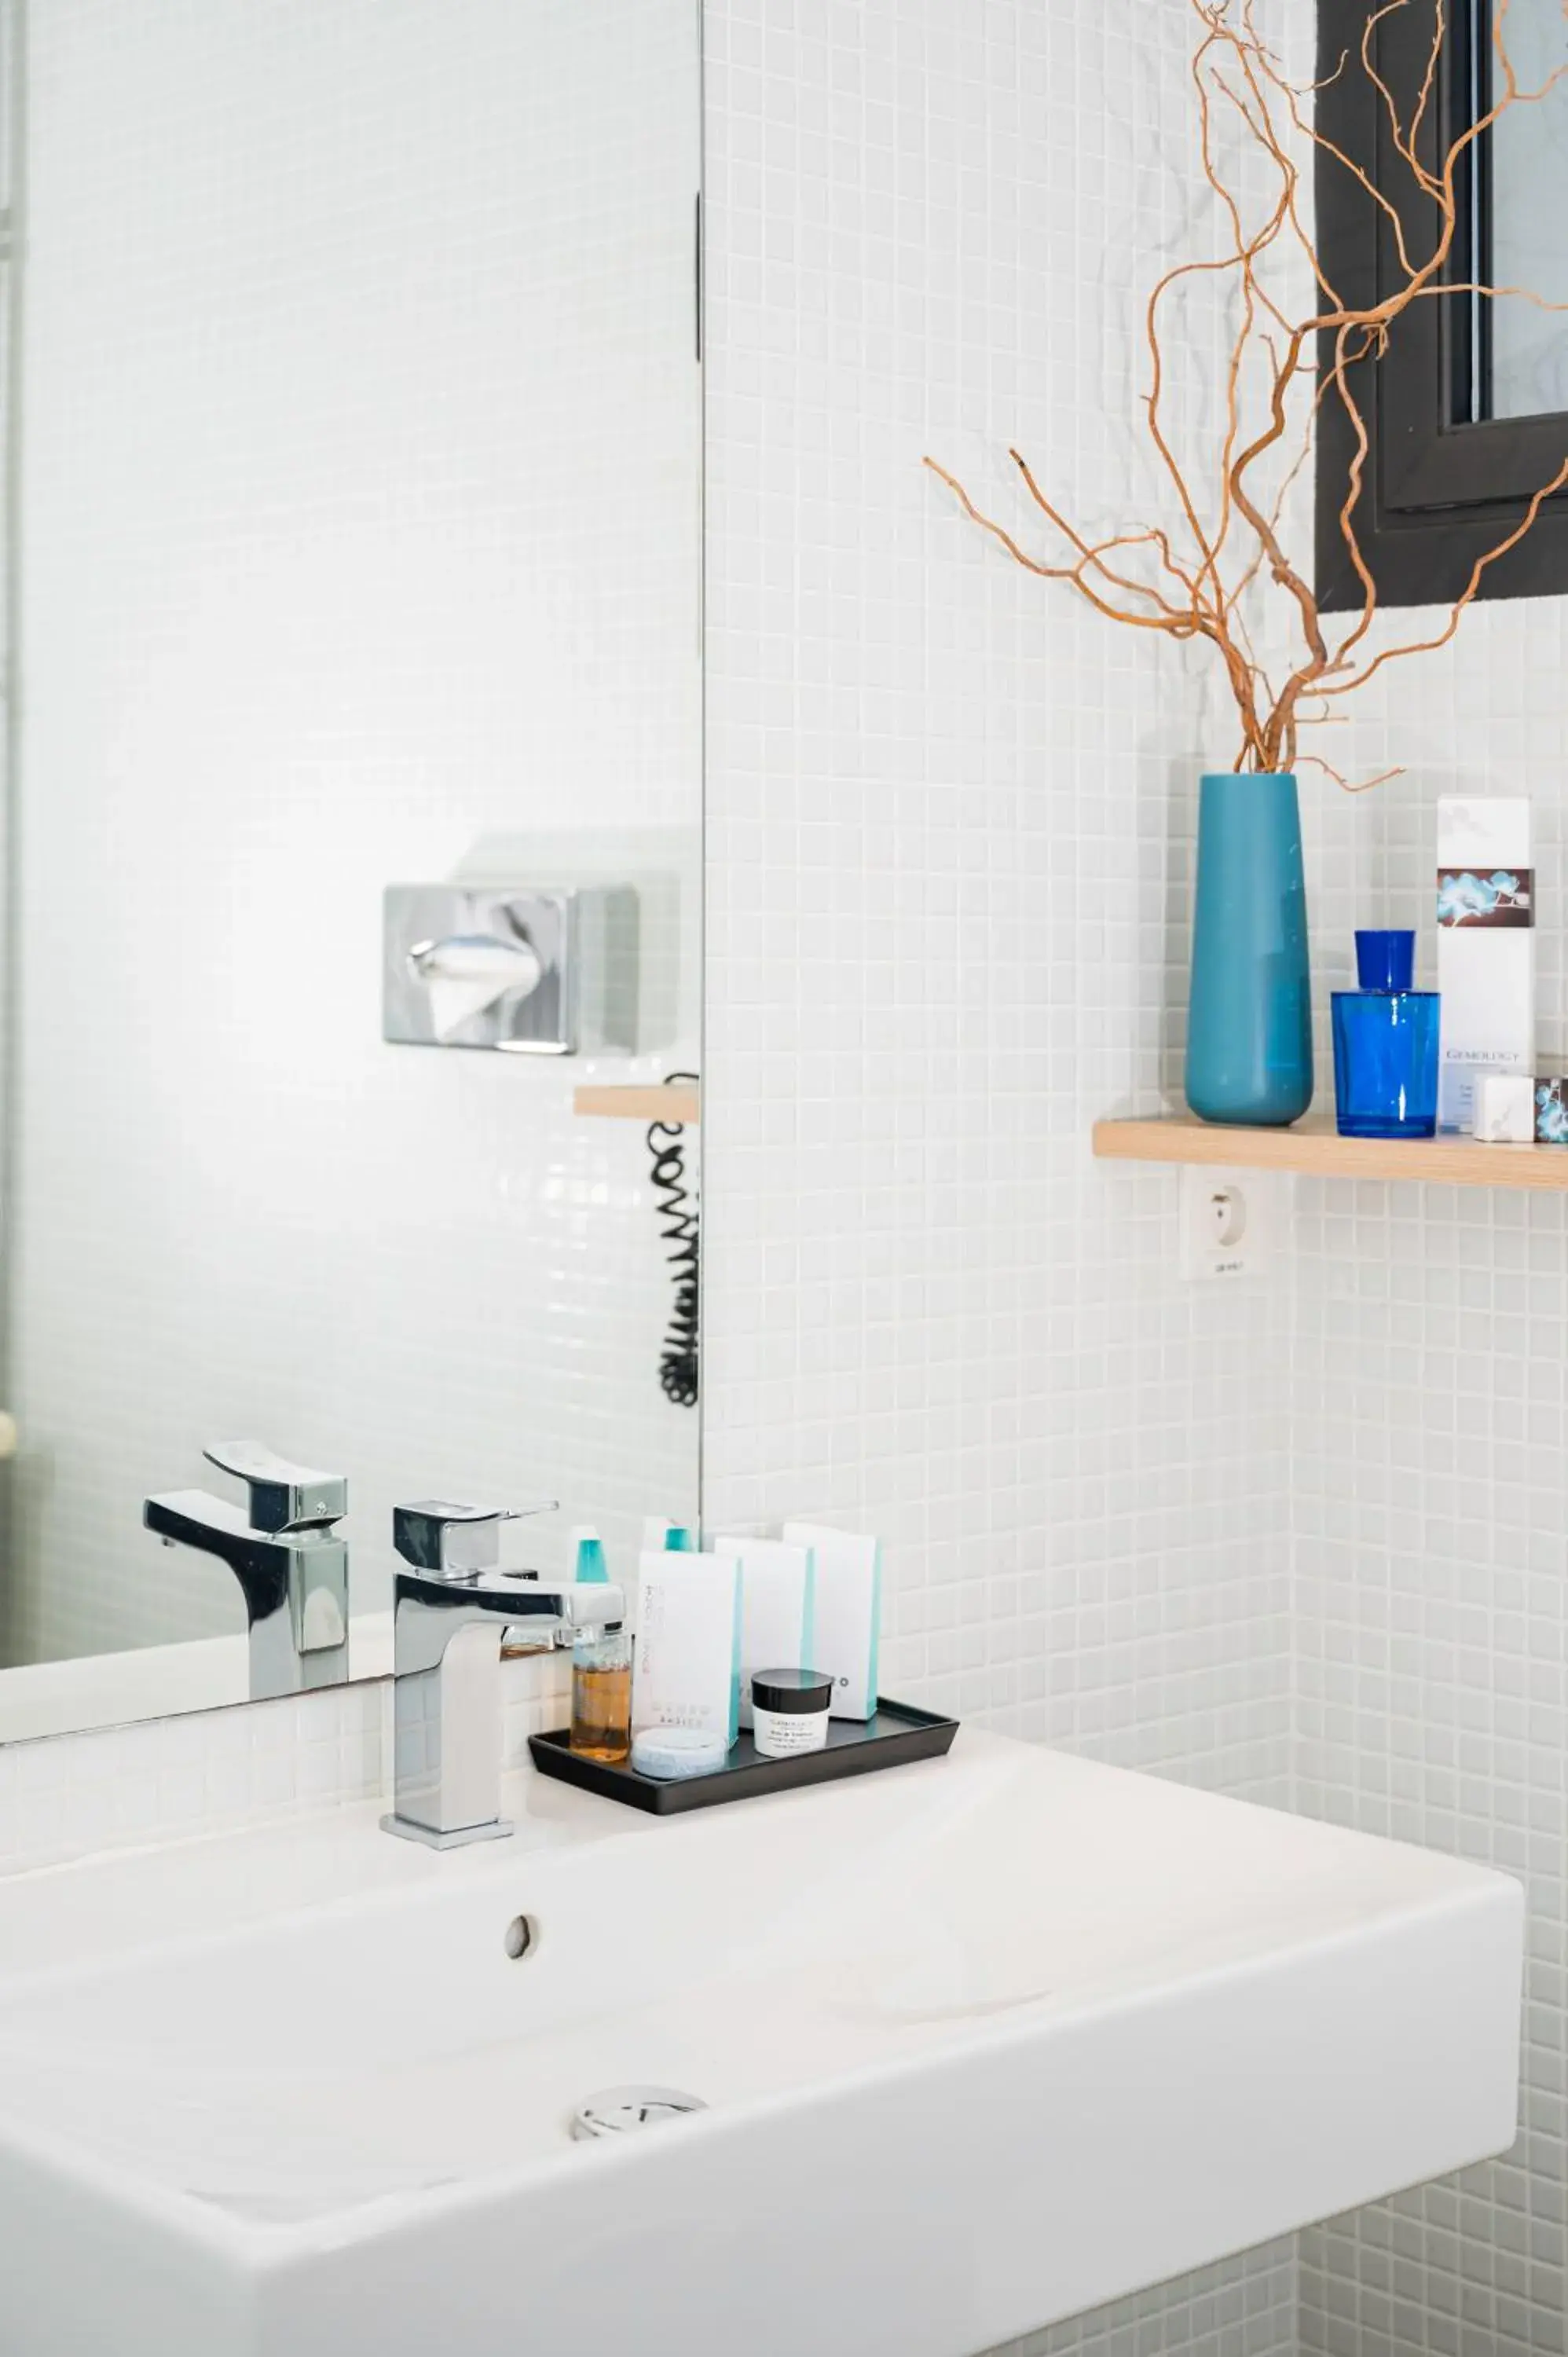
[
  {"x": 601, "y": 1668},
  {"x": 667, "y": 1538},
  {"x": 588, "y": 1557}
]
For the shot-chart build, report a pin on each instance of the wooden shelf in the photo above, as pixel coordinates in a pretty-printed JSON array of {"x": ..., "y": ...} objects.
[
  {"x": 652, "y": 1101},
  {"x": 1316, "y": 1147}
]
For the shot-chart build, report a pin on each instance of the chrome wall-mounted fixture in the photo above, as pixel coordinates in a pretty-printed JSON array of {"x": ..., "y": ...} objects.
[
  {"x": 284, "y": 1550},
  {"x": 451, "y": 1609},
  {"x": 533, "y": 972}
]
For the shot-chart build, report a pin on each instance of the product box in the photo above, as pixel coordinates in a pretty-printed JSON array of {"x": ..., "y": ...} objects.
[
  {"x": 1512, "y": 1110},
  {"x": 848, "y": 1613},
  {"x": 1485, "y": 947},
  {"x": 1505, "y": 1109},
  {"x": 1551, "y": 1113},
  {"x": 687, "y": 1666},
  {"x": 777, "y": 1607}
]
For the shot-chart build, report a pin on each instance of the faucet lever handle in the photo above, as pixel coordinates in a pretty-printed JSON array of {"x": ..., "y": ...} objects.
[
  {"x": 441, "y": 1535},
  {"x": 281, "y": 1496}
]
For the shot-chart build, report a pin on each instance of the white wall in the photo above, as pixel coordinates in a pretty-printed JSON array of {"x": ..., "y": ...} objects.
[
  {"x": 1429, "y": 1418},
  {"x": 360, "y": 527},
  {"x": 949, "y": 817}
]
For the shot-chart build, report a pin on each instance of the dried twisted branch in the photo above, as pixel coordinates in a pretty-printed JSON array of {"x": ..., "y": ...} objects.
[{"x": 1282, "y": 365}]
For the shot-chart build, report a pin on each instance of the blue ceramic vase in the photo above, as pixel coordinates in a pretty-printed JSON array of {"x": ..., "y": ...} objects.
[{"x": 1249, "y": 1038}]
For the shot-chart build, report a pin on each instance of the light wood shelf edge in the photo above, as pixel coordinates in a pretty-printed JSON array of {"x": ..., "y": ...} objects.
[
  {"x": 650, "y": 1101},
  {"x": 1317, "y": 1149}
]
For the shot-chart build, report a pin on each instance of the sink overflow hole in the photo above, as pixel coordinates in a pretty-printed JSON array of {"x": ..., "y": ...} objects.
[{"x": 522, "y": 1937}]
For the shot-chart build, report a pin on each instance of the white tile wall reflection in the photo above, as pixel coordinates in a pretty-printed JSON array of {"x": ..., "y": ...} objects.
[
  {"x": 328, "y": 581},
  {"x": 179, "y": 1779}
]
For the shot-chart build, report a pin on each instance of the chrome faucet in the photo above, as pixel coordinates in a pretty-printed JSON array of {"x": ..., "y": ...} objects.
[
  {"x": 292, "y": 1566},
  {"x": 451, "y": 1608}
]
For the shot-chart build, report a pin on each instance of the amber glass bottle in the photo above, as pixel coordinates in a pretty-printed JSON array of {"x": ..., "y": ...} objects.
[{"x": 601, "y": 1694}]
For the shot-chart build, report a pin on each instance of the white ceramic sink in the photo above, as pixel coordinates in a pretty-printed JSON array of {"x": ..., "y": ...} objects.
[{"x": 986, "y": 2041}]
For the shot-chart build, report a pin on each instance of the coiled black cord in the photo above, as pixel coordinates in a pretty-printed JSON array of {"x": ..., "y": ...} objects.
[{"x": 679, "y": 1225}]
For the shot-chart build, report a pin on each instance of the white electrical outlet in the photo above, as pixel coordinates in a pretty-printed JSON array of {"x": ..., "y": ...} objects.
[{"x": 1230, "y": 1221}]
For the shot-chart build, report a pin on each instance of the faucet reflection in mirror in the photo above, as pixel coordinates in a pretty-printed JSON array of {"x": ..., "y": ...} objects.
[
  {"x": 451, "y": 1607},
  {"x": 283, "y": 1549}
]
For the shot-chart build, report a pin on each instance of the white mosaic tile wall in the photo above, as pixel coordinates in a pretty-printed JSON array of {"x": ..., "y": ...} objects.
[
  {"x": 1246, "y": 2307},
  {"x": 948, "y": 817},
  {"x": 948, "y": 820},
  {"x": 1428, "y": 1417},
  {"x": 1430, "y": 1413}
]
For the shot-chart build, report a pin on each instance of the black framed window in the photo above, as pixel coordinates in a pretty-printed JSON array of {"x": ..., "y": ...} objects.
[{"x": 1468, "y": 408}]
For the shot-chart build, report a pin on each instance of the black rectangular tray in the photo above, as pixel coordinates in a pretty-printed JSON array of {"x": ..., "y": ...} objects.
[{"x": 898, "y": 1733}]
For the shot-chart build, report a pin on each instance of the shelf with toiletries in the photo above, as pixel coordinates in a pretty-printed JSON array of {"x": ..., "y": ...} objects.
[{"x": 1441, "y": 1085}]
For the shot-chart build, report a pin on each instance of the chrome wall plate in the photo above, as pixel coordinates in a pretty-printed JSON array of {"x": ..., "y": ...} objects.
[{"x": 530, "y": 971}]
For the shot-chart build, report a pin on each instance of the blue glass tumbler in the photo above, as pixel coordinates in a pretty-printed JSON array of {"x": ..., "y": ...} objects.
[{"x": 1385, "y": 1044}]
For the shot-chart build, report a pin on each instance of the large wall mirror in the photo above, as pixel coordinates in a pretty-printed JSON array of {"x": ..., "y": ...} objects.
[{"x": 353, "y": 855}]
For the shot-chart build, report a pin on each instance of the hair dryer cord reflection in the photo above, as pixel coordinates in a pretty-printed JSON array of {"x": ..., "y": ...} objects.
[{"x": 679, "y": 1224}]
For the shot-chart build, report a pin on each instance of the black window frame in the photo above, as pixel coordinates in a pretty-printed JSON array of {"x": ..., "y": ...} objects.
[{"x": 1438, "y": 494}]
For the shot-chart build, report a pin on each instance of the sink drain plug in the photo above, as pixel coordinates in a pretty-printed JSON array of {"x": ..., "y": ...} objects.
[{"x": 617, "y": 2111}]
